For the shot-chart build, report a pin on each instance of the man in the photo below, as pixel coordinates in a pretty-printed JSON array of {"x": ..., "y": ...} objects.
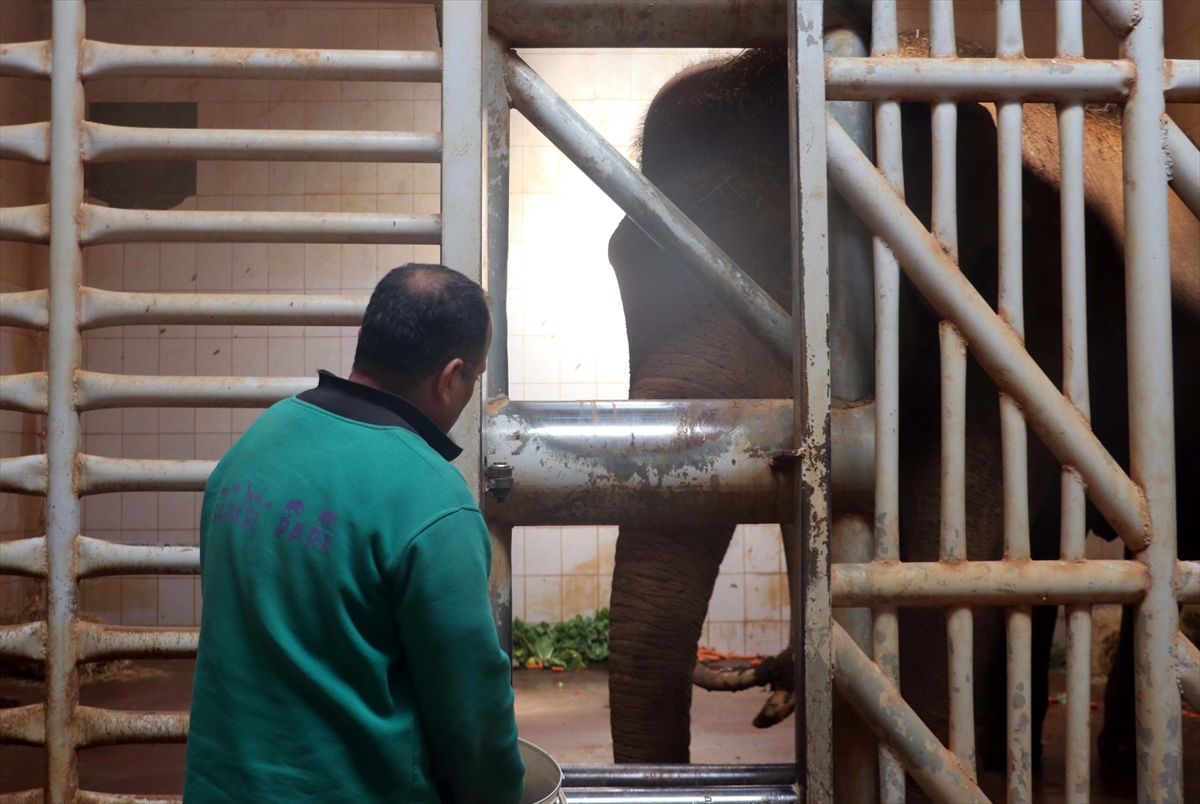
[{"x": 347, "y": 650}]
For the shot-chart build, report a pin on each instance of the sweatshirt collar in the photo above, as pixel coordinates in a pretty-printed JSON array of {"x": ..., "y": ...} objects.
[{"x": 362, "y": 403}]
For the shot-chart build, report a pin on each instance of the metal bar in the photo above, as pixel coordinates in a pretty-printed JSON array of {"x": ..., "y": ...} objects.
[
  {"x": 24, "y": 474},
  {"x": 1073, "y": 523},
  {"x": 29, "y": 224},
  {"x": 25, "y": 308},
  {"x": 25, "y": 59},
  {"x": 655, "y": 776},
  {"x": 101, "y": 225},
  {"x": 23, "y": 725},
  {"x": 1187, "y": 582},
  {"x": 934, "y": 273},
  {"x": 994, "y": 80},
  {"x": 99, "y": 391},
  {"x": 99, "y": 475},
  {"x": 1185, "y": 167},
  {"x": 939, "y": 772},
  {"x": 29, "y": 142},
  {"x": 24, "y": 557},
  {"x": 24, "y": 640},
  {"x": 809, "y": 583},
  {"x": 1151, "y": 407},
  {"x": 1182, "y": 84},
  {"x": 659, "y": 795},
  {"x": 107, "y": 60},
  {"x": 1121, "y": 16},
  {"x": 98, "y": 557},
  {"x": 104, "y": 143},
  {"x": 1188, "y": 659},
  {"x": 648, "y": 207},
  {"x": 988, "y": 583},
  {"x": 91, "y": 797},
  {"x": 34, "y": 796},
  {"x": 890, "y": 159},
  {"x": 117, "y": 727},
  {"x": 95, "y": 642},
  {"x": 108, "y": 308},
  {"x": 498, "y": 120},
  {"x": 24, "y": 392}
]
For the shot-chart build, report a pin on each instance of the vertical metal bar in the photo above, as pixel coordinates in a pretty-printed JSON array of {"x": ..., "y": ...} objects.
[
  {"x": 1151, "y": 408},
  {"x": 890, "y": 159},
  {"x": 959, "y": 629},
  {"x": 1010, "y": 45},
  {"x": 1073, "y": 526},
  {"x": 497, "y": 216},
  {"x": 810, "y": 361},
  {"x": 62, "y": 425}
]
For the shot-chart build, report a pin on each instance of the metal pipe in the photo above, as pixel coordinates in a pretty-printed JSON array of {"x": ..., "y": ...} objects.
[
  {"x": 99, "y": 475},
  {"x": 1121, "y": 16},
  {"x": 25, "y": 308},
  {"x": 98, "y": 558},
  {"x": 1182, "y": 84},
  {"x": 1185, "y": 167},
  {"x": 92, "y": 797},
  {"x": 1151, "y": 407},
  {"x": 108, "y": 308},
  {"x": 29, "y": 142},
  {"x": 24, "y": 640},
  {"x": 118, "y": 727},
  {"x": 24, "y": 557},
  {"x": 988, "y": 583},
  {"x": 992, "y": 80},
  {"x": 101, "y": 225},
  {"x": 107, "y": 60},
  {"x": 24, "y": 474},
  {"x": 939, "y": 772},
  {"x": 104, "y": 143},
  {"x": 498, "y": 120},
  {"x": 34, "y": 796},
  {"x": 96, "y": 642},
  {"x": 809, "y": 576},
  {"x": 729, "y": 795},
  {"x": 29, "y": 224},
  {"x": 657, "y": 776},
  {"x": 24, "y": 392},
  {"x": 648, "y": 207},
  {"x": 1187, "y": 658},
  {"x": 999, "y": 351},
  {"x": 25, "y": 59},
  {"x": 100, "y": 391},
  {"x": 23, "y": 725}
]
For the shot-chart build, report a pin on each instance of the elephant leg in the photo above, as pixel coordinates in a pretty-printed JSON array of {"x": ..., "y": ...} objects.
[
  {"x": 1116, "y": 741},
  {"x": 661, "y": 587}
]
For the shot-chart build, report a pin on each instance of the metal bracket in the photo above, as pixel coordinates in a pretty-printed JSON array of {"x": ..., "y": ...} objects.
[{"x": 498, "y": 480}]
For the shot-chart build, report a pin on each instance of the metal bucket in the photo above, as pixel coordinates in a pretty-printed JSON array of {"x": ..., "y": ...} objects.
[{"x": 543, "y": 777}]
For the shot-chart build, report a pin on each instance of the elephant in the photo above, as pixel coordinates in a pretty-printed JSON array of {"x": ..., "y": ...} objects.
[{"x": 715, "y": 140}]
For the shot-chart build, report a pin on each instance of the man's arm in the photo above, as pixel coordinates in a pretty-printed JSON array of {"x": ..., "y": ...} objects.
[{"x": 461, "y": 676}]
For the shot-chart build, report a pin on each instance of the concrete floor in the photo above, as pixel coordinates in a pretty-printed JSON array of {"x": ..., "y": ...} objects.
[{"x": 565, "y": 713}]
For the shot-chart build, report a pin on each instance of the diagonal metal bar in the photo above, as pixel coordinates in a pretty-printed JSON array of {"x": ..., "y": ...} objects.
[
  {"x": 1185, "y": 167},
  {"x": 1059, "y": 424}
]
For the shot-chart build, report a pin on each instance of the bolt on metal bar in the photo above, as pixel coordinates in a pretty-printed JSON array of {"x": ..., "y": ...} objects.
[
  {"x": 890, "y": 159},
  {"x": 107, "y": 60},
  {"x": 100, "y": 225},
  {"x": 30, "y": 224},
  {"x": 1000, "y": 353},
  {"x": 29, "y": 142},
  {"x": 1182, "y": 84},
  {"x": 648, "y": 207},
  {"x": 99, "y": 557},
  {"x": 939, "y": 772},
  {"x": 24, "y": 392},
  {"x": 1151, "y": 407},
  {"x": 1185, "y": 167},
  {"x": 25, "y": 60},
  {"x": 25, "y": 557},
  {"x": 96, "y": 642},
  {"x": 108, "y": 308},
  {"x": 104, "y": 143},
  {"x": 100, "y": 391}
]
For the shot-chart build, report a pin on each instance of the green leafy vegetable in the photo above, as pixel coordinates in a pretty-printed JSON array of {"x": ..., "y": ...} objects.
[{"x": 570, "y": 644}]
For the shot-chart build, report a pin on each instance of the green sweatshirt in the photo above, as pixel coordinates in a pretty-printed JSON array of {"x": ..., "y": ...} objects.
[{"x": 347, "y": 649}]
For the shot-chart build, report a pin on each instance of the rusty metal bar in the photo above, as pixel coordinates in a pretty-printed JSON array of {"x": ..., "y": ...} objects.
[
  {"x": 24, "y": 557},
  {"x": 99, "y": 391},
  {"x": 994, "y": 80},
  {"x": 101, "y": 225},
  {"x": 938, "y": 771},
  {"x": 107, "y": 60},
  {"x": 23, "y": 725},
  {"x": 34, "y": 796},
  {"x": 24, "y": 640},
  {"x": 1151, "y": 407},
  {"x": 648, "y": 207},
  {"x": 25, "y": 59},
  {"x": 1121, "y": 16},
  {"x": 95, "y": 642},
  {"x": 29, "y": 224},
  {"x": 1185, "y": 167},
  {"x": 24, "y": 474},
  {"x": 108, "y": 308},
  {"x": 24, "y": 392},
  {"x": 498, "y": 157},
  {"x": 99, "y": 475},
  {"x": 933, "y": 271},
  {"x": 98, "y": 557},
  {"x": 104, "y": 143},
  {"x": 96, "y": 726},
  {"x": 29, "y": 142},
  {"x": 1182, "y": 84},
  {"x": 25, "y": 308},
  {"x": 92, "y": 797}
]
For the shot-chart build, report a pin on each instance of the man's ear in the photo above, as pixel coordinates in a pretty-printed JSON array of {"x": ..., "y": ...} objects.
[{"x": 448, "y": 378}]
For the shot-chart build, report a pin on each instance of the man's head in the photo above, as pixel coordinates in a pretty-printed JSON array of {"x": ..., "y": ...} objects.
[{"x": 425, "y": 337}]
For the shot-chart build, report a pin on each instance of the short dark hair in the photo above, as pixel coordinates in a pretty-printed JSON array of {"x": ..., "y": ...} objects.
[{"x": 421, "y": 317}]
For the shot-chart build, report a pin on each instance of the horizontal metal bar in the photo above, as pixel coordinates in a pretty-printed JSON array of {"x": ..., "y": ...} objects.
[
  {"x": 1185, "y": 167},
  {"x": 24, "y": 557},
  {"x": 931, "y": 80},
  {"x": 98, "y": 475},
  {"x": 98, "y": 557},
  {"x": 24, "y": 640},
  {"x": 878, "y": 702},
  {"x": 24, "y": 474},
  {"x": 23, "y": 725},
  {"x": 1182, "y": 84},
  {"x": 29, "y": 224},
  {"x": 95, "y": 642},
  {"x": 1121, "y": 16},
  {"x": 666, "y": 461},
  {"x": 988, "y": 583},
  {"x": 999, "y": 350},
  {"x": 25, "y": 308},
  {"x": 1187, "y": 582},
  {"x": 107, "y": 60},
  {"x": 690, "y": 795},
  {"x": 115, "y": 727},
  {"x": 35, "y": 796},
  {"x": 101, "y": 225},
  {"x": 654, "y": 776},
  {"x": 98, "y": 391},
  {"x": 108, "y": 308},
  {"x": 25, "y": 59},
  {"x": 1188, "y": 659},
  {"x": 104, "y": 143},
  {"x": 24, "y": 392},
  {"x": 92, "y": 797},
  {"x": 29, "y": 142}
]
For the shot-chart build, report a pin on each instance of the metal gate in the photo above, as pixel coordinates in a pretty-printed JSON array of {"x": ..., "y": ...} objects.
[{"x": 829, "y": 447}]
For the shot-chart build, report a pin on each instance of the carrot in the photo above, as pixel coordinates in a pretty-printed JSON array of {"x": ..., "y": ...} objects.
[{"x": 558, "y": 669}]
